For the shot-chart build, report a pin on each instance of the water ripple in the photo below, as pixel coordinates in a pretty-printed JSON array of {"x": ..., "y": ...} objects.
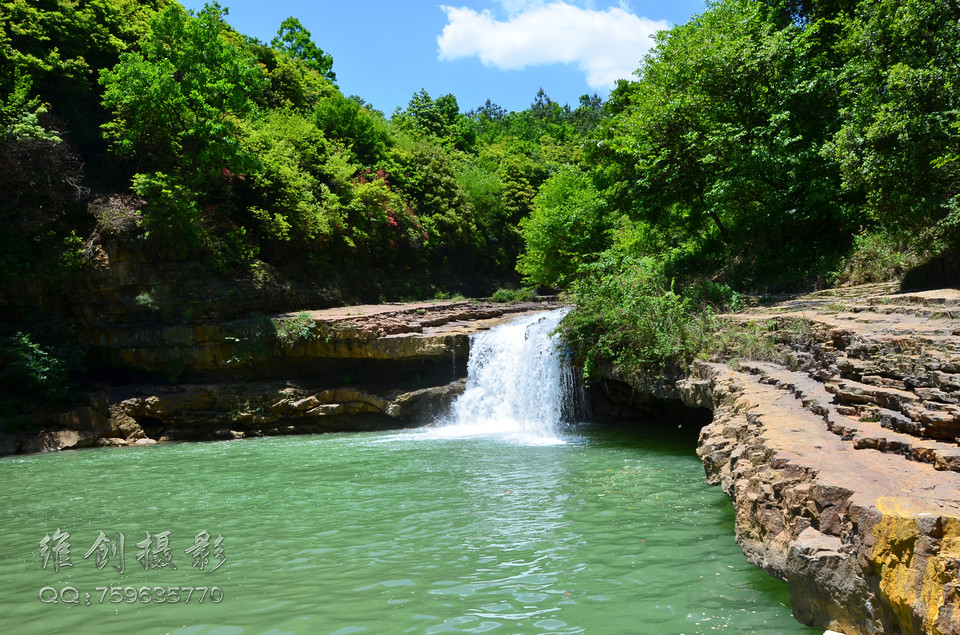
[{"x": 376, "y": 533}]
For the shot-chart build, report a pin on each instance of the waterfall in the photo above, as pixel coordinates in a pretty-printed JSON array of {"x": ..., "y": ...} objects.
[{"x": 519, "y": 383}]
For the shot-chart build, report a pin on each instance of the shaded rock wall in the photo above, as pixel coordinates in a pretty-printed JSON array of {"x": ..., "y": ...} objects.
[
  {"x": 346, "y": 368},
  {"x": 175, "y": 351},
  {"x": 435, "y": 332},
  {"x": 233, "y": 411}
]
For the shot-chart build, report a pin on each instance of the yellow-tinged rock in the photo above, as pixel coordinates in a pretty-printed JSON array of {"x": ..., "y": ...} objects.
[{"x": 916, "y": 556}]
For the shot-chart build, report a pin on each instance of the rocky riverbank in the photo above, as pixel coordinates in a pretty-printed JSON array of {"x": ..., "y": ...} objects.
[
  {"x": 840, "y": 453},
  {"x": 842, "y": 460},
  {"x": 350, "y": 368}
]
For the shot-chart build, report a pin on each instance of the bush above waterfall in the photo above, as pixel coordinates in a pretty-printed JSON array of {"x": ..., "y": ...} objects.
[{"x": 629, "y": 313}]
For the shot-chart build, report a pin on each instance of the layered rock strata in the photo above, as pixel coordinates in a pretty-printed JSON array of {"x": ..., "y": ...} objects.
[
  {"x": 176, "y": 351},
  {"x": 290, "y": 343},
  {"x": 352, "y": 368},
  {"x": 842, "y": 460}
]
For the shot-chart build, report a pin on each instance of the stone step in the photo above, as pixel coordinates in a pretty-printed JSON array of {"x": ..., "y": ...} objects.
[
  {"x": 866, "y": 427},
  {"x": 838, "y": 518},
  {"x": 877, "y": 434},
  {"x": 948, "y": 312},
  {"x": 920, "y": 417},
  {"x": 811, "y": 393},
  {"x": 848, "y": 391}
]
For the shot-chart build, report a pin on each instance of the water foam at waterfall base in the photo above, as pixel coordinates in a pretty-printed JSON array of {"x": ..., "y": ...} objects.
[{"x": 520, "y": 385}]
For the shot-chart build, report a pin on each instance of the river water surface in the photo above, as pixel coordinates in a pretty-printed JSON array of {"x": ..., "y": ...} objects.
[{"x": 441, "y": 530}]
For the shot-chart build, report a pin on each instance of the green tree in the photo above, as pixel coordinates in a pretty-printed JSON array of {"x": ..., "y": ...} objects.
[
  {"x": 899, "y": 115},
  {"x": 381, "y": 229},
  {"x": 38, "y": 367},
  {"x": 488, "y": 121},
  {"x": 587, "y": 115},
  {"x": 363, "y": 130},
  {"x": 295, "y": 190},
  {"x": 429, "y": 181},
  {"x": 496, "y": 237},
  {"x": 521, "y": 175},
  {"x": 177, "y": 102},
  {"x": 809, "y": 11},
  {"x": 721, "y": 138},
  {"x": 177, "y": 105},
  {"x": 569, "y": 227},
  {"x": 290, "y": 82},
  {"x": 295, "y": 40},
  {"x": 40, "y": 175},
  {"x": 60, "y": 44},
  {"x": 629, "y": 314},
  {"x": 438, "y": 119}
]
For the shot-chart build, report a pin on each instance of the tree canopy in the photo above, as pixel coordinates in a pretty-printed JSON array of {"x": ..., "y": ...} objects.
[{"x": 762, "y": 145}]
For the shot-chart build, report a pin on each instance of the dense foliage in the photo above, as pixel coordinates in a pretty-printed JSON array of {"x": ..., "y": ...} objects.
[
  {"x": 769, "y": 145},
  {"x": 763, "y": 145}
]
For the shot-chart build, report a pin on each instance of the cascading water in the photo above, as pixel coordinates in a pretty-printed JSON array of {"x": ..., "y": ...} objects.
[{"x": 519, "y": 383}]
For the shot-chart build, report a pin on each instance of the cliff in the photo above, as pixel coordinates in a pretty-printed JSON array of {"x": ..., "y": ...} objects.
[
  {"x": 842, "y": 461},
  {"x": 175, "y": 351},
  {"x": 352, "y": 368},
  {"x": 224, "y": 373}
]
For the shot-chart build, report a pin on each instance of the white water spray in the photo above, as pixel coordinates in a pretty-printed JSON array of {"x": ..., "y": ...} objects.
[{"x": 519, "y": 383}]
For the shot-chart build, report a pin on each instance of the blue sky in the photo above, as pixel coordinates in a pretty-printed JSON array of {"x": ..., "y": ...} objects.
[{"x": 502, "y": 50}]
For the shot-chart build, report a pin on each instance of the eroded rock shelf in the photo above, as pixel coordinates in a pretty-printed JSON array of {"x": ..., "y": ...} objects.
[
  {"x": 843, "y": 464},
  {"x": 350, "y": 368}
]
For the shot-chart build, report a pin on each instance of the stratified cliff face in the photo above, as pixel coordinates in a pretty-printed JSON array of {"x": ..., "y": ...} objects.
[
  {"x": 352, "y": 368},
  {"x": 844, "y": 470},
  {"x": 180, "y": 354}
]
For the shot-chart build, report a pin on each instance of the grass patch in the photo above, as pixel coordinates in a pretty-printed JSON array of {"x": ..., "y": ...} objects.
[
  {"x": 876, "y": 257},
  {"x": 443, "y": 296},
  {"x": 774, "y": 340},
  {"x": 514, "y": 296},
  {"x": 300, "y": 328}
]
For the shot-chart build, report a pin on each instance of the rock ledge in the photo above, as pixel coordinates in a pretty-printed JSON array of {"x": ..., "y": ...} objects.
[{"x": 843, "y": 464}]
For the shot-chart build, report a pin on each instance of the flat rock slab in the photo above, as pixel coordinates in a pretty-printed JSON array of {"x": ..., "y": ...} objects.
[
  {"x": 262, "y": 346},
  {"x": 420, "y": 317},
  {"x": 845, "y": 474}
]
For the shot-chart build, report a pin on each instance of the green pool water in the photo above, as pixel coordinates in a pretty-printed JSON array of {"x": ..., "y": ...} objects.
[{"x": 608, "y": 531}]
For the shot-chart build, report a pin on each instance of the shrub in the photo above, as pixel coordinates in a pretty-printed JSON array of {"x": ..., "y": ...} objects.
[
  {"x": 875, "y": 257},
  {"x": 34, "y": 369},
  {"x": 41, "y": 176},
  {"x": 170, "y": 216},
  {"x": 630, "y": 313},
  {"x": 147, "y": 300},
  {"x": 713, "y": 294},
  {"x": 514, "y": 296},
  {"x": 300, "y": 328}
]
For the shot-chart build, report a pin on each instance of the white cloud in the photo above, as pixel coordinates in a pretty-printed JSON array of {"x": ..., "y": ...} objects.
[
  {"x": 606, "y": 45},
  {"x": 513, "y": 7}
]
